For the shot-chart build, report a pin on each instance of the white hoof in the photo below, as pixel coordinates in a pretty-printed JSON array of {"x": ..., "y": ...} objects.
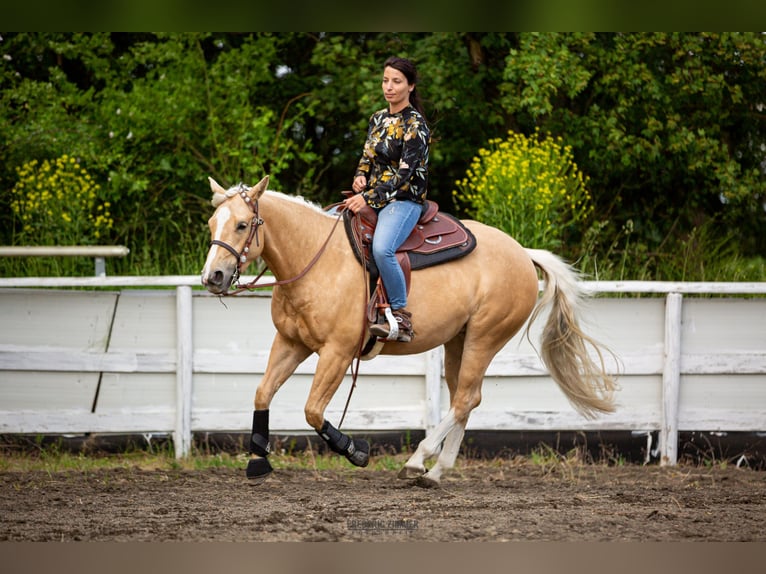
[
  {"x": 425, "y": 481},
  {"x": 412, "y": 471}
]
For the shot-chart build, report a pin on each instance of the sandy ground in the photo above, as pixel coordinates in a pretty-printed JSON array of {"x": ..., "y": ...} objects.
[{"x": 498, "y": 500}]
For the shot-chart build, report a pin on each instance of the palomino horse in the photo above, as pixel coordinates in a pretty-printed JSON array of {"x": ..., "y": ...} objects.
[{"x": 472, "y": 306}]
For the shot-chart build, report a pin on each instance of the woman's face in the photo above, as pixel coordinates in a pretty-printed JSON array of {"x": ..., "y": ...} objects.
[{"x": 396, "y": 90}]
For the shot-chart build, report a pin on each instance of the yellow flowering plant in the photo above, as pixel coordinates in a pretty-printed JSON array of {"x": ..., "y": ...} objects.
[
  {"x": 57, "y": 203},
  {"x": 530, "y": 187}
]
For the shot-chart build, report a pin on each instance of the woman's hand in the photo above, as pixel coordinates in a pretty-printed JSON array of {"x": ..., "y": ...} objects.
[
  {"x": 360, "y": 184},
  {"x": 355, "y": 203}
]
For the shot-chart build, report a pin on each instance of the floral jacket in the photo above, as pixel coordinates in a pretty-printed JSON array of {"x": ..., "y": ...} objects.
[{"x": 395, "y": 157}]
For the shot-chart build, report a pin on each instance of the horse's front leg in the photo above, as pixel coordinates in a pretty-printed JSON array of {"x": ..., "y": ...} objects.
[
  {"x": 284, "y": 358},
  {"x": 331, "y": 367}
]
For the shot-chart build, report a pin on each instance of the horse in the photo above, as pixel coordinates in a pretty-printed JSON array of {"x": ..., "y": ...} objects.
[{"x": 473, "y": 306}]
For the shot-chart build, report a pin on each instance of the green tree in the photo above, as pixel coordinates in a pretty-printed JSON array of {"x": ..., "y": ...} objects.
[
  {"x": 670, "y": 128},
  {"x": 151, "y": 116}
]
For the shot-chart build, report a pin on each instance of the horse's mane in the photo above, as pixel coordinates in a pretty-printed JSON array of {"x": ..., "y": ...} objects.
[{"x": 219, "y": 198}]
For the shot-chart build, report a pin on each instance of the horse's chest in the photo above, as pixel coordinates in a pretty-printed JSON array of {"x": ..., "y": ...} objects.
[{"x": 292, "y": 320}]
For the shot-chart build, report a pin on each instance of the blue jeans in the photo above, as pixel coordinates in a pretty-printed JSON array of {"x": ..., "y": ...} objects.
[{"x": 395, "y": 223}]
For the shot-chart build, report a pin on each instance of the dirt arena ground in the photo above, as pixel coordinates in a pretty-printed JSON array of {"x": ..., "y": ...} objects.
[{"x": 498, "y": 500}]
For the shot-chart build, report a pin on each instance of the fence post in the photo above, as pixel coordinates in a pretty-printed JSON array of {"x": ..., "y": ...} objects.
[
  {"x": 434, "y": 361},
  {"x": 100, "y": 264},
  {"x": 184, "y": 369},
  {"x": 671, "y": 381}
]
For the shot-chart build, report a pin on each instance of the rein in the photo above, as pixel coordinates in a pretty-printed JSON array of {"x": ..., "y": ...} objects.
[
  {"x": 241, "y": 257},
  {"x": 358, "y": 357},
  {"x": 252, "y": 284}
]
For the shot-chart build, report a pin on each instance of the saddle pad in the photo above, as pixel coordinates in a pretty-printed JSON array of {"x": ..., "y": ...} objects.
[{"x": 443, "y": 239}]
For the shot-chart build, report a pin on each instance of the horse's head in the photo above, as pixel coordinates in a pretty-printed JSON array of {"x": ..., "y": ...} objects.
[{"x": 235, "y": 233}]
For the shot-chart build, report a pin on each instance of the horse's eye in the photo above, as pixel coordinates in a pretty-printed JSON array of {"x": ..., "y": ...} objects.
[{"x": 241, "y": 226}]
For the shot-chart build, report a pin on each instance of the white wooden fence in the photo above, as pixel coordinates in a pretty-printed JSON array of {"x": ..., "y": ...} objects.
[
  {"x": 151, "y": 359},
  {"x": 97, "y": 252}
]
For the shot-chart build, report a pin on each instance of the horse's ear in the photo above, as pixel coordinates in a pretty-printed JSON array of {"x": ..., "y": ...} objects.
[
  {"x": 215, "y": 187},
  {"x": 257, "y": 190}
]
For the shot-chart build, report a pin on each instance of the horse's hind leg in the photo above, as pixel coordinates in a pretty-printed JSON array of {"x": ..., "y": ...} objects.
[
  {"x": 447, "y": 457},
  {"x": 428, "y": 447},
  {"x": 465, "y": 395},
  {"x": 431, "y": 445}
]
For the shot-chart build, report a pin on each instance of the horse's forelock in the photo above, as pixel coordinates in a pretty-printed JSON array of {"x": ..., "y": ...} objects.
[{"x": 219, "y": 198}]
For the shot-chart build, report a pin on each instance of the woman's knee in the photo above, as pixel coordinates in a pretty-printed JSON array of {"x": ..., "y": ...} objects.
[{"x": 382, "y": 252}]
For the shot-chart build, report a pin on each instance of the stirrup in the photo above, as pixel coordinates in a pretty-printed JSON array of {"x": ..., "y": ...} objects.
[{"x": 390, "y": 330}]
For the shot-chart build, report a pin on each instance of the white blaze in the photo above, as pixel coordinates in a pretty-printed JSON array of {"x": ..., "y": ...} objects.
[{"x": 221, "y": 217}]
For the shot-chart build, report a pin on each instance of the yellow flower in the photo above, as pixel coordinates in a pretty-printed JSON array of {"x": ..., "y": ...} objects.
[
  {"x": 55, "y": 198},
  {"x": 521, "y": 182}
]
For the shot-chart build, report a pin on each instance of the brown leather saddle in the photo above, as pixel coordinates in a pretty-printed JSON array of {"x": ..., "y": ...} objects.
[{"x": 437, "y": 238}]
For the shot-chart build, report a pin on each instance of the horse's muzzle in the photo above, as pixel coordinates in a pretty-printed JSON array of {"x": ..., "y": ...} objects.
[{"x": 217, "y": 282}]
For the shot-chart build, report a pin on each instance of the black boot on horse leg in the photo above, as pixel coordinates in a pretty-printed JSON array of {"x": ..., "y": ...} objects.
[
  {"x": 356, "y": 450},
  {"x": 259, "y": 467}
]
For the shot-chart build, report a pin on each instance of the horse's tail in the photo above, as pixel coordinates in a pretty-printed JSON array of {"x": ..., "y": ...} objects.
[{"x": 564, "y": 345}]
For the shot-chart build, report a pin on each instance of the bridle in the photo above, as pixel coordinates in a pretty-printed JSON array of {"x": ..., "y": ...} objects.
[
  {"x": 241, "y": 256},
  {"x": 255, "y": 223}
]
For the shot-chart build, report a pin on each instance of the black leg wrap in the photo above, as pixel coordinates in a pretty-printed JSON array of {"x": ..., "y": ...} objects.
[
  {"x": 361, "y": 454},
  {"x": 357, "y": 451},
  {"x": 259, "y": 440},
  {"x": 258, "y": 469}
]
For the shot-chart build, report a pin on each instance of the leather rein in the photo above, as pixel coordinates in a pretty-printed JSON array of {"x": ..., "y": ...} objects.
[{"x": 241, "y": 258}]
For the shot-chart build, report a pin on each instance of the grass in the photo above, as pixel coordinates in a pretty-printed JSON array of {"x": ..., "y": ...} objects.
[
  {"x": 34, "y": 454},
  {"x": 80, "y": 462},
  {"x": 54, "y": 457}
]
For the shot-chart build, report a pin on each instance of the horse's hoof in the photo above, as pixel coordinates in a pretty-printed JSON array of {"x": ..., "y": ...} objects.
[
  {"x": 257, "y": 480},
  {"x": 409, "y": 472},
  {"x": 425, "y": 481},
  {"x": 361, "y": 454},
  {"x": 258, "y": 470}
]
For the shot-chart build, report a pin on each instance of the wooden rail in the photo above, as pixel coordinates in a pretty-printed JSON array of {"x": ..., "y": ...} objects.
[
  {"x": 179, "y": 369},
  {"x": 98, "y": 252}
]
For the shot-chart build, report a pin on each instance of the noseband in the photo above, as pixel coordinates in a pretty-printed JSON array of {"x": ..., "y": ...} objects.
[{"x": 255, "y": 223}]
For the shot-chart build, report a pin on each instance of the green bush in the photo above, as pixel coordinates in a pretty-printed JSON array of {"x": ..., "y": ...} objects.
[
  {"x": 530, "y": 187},
  {"x": 57, "y": 202}
]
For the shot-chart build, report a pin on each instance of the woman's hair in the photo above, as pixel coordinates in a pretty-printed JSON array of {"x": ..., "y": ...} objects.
[{"x": 407, "y": 68}]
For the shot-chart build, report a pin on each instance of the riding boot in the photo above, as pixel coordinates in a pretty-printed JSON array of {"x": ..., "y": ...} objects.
[{"x": 404, "y": 321}]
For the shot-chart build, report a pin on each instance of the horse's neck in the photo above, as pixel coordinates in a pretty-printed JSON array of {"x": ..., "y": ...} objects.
[{"x": 294, "y": 234}]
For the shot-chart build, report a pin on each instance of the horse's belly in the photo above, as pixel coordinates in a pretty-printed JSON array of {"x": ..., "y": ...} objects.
[{"x": 493, "y": 288}]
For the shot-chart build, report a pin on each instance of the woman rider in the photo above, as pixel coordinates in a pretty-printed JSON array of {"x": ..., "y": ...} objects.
[{"x": 392, "y": 178}]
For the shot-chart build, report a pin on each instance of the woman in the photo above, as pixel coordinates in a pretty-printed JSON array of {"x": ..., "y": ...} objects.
[{"x": 392, "y": 178}]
